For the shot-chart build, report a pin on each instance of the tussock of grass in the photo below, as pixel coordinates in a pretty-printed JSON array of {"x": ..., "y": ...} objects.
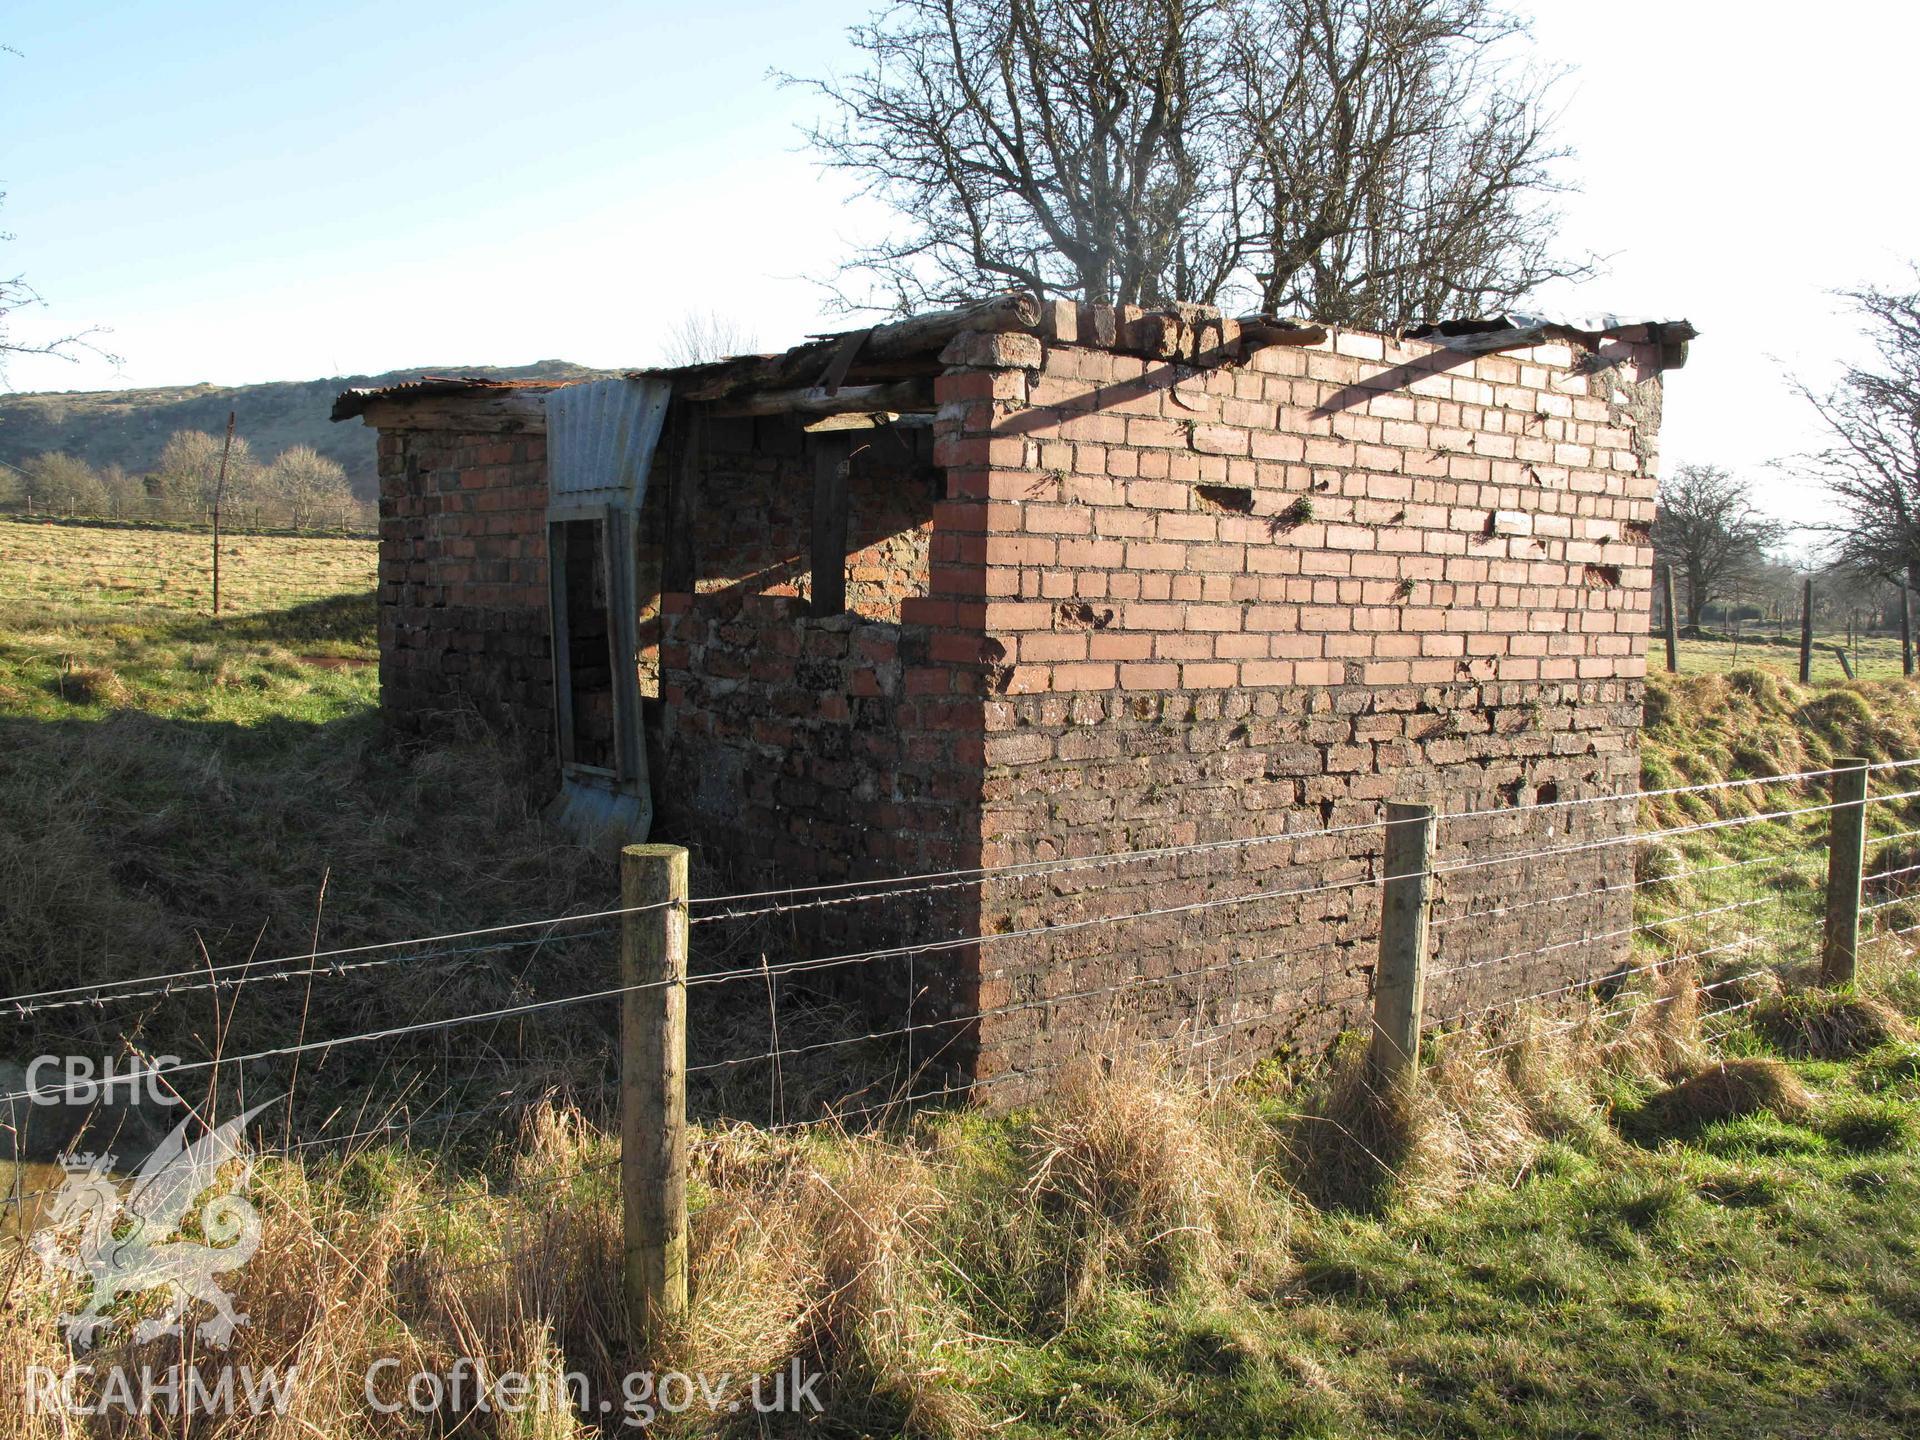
[
  {"x": 1892, "y": 1066},
  {"x": 1702, "y": 729},
  {"x": 1659, "y": 868},
  {"x": 1137, "y": 1176},
  {"x": 92, "y": 685},
  {"x": 1483, "y": 1110},
  {"x": 878, "y": 1326},
  {"x": 1728, "y": 1090},
  {"x": 1868, "y": 1126},
  {"x": 1359, "y": 1145},
  {"x": 1740, "y": 984},
  {"x": 1829, "y": 1024},
  {"x": 1351, "y": 1139}
]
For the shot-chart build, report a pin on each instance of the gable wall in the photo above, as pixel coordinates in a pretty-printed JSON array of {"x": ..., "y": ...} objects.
[{"x": 1423, "y": 577}]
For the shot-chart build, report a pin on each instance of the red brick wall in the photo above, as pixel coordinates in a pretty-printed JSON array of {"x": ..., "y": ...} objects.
[
  {"x": 463, "y": 579},
  {"x": 1234, "y": 602},
  {"x": 793, "y": 750}
]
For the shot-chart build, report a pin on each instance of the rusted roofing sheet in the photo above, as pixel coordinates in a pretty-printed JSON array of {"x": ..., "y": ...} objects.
[{"x": 354, "y": 402}]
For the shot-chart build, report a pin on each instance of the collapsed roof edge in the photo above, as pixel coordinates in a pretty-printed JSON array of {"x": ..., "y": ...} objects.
[{"x": 921, "y": 338}]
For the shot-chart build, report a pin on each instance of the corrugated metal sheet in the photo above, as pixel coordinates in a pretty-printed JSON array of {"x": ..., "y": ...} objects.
[
  {"x": 601, "y": 438},
  {"x": 600, "y": 816}
]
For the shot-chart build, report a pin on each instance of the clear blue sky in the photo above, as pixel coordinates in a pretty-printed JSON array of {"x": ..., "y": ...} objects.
[{"x": 258, "y": 191}]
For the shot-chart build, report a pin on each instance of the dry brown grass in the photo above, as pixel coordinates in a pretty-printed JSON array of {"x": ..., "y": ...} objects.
[
  {"x": 134, "y": 568},
  {"x": 818, "y": 1251},
  {"x": 342, "y": 1281},
  {"x": 1136, "y": 1173},
  {"x": 813, "y": 1251},
  {"x": 1490, "y": 1097},
  {"x": 92, "y": 685},
  {"x": 877, "y": 1259},
  {"x": 1729, "y": 1090}
]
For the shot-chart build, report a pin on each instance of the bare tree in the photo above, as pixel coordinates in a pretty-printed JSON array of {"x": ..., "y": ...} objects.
[
  {"x": 16, "y": 295},
  {"x": 1843, "y": 590},
  {"x": 1370, "y": 161},
  {"x": 58, "y": 481},
  {"x": 1709, "y": 532},
  {"x": 189, "y": 473},
  {"x": 307, "y": 487},
  {"x": 1402, "y": 160},
  {"x": 126, "y": 494},
  {"x": 1872, "y": 468},
  {"x": 697, "y": 338}
]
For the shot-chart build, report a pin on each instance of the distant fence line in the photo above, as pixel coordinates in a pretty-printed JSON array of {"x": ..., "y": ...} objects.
[{"x": 160, "y": 517}]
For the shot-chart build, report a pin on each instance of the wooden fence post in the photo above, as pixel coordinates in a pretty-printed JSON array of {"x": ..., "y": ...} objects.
[
  {"x": 1806, "y": 631},
  {"x": 1846, "y": 849},
  {"x": 1400, "y": 979},
  {"x": 653, "y": 1088},
  {"x": 1673, "y": 629}
]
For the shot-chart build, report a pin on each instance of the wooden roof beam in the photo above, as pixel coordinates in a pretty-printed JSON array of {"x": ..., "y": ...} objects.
[{"x": 902, "y": 396}]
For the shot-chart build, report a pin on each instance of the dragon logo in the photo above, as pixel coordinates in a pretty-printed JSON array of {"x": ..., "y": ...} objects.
[{"x": 126, "y": 1248}]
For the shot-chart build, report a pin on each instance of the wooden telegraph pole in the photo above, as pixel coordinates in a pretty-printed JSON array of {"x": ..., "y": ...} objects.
[{"x": 219, "y": 493}]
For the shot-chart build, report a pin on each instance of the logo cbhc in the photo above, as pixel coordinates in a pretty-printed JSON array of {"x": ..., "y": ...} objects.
[{"x": 83, "y": 1081}]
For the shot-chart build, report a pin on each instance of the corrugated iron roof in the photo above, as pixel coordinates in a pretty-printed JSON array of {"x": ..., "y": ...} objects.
[{"x": 354, "y": 402}]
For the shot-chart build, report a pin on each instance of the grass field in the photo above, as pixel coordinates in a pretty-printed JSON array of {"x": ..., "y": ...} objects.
[
  {"x": 1547, "y": 1243},
  {"x": 183, "y": 791},
  {"x": 95, "y": 568},
  {"x": 1874, "y": 657},
  {"x": 103, "y": 619}
]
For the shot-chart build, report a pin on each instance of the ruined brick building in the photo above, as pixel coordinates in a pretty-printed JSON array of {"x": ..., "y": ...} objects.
[{"x": 988, "y": 591}]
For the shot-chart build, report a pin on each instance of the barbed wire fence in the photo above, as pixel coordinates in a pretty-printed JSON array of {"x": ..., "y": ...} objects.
[{"x": 1680, "y": 901}]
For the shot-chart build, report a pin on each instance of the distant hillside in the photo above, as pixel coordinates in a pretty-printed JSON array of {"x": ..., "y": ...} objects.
[{"x": 128, "y": 427}]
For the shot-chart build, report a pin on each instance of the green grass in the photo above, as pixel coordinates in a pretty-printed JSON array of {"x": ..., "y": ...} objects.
[
  {"x": 1758, "y": 1278},
  {"x": 184, "y": 791}
]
